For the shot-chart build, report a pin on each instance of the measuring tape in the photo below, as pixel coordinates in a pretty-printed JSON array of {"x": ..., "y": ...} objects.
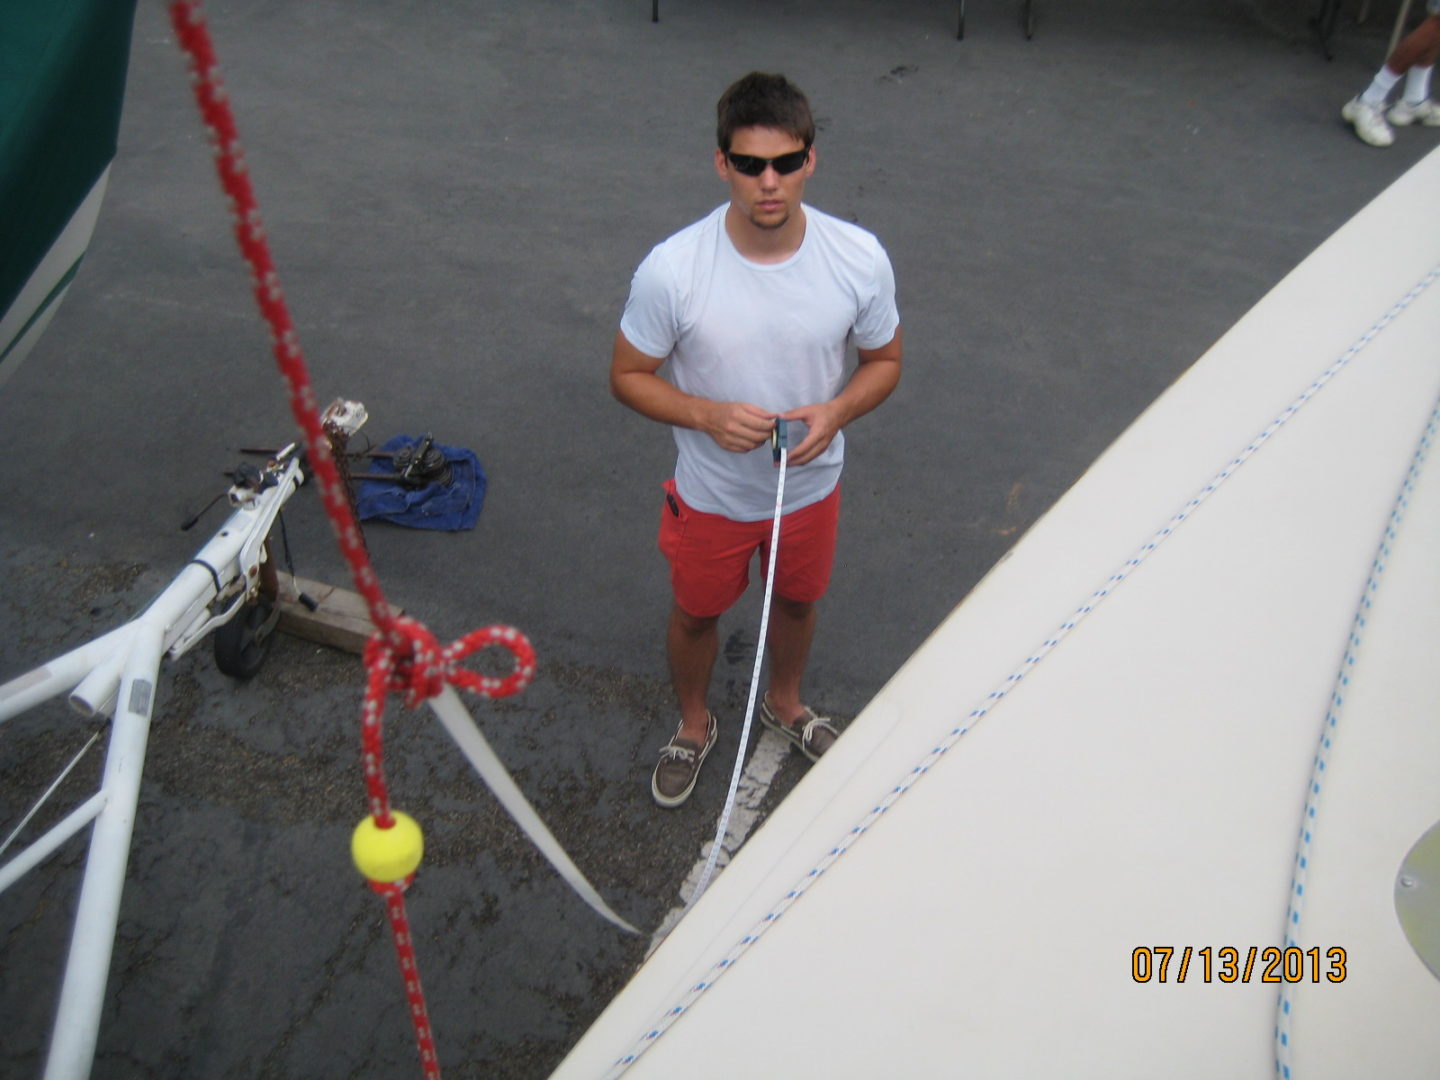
[{"x": 780, "y": 448}]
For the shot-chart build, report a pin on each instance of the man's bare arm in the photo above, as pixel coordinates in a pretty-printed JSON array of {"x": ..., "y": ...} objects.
[{"x": 634, "y": 380}]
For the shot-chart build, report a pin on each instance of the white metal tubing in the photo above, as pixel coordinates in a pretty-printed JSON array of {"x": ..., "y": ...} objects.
[
  {"x": 268, "y": 507},
  {"x": 181, "y": 603},
  {"x": 54, "y": 836},
  {"x": 96, "y": 694},
  {"x": 183, "y": 607},
  {"x": 77, "y": 1020},
  {"x": 177, "y": 617},
  {"x": 54, "y": 787},
  {"x": 231, "y": 550},
  {"x": 59, "y": 675}
]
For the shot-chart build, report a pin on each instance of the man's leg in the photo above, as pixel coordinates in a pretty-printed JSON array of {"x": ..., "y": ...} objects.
[
  {"x": 1420, "y": 46},
  {"x": 692, "y": 642},
  {"x": 792, "y": 627},
  {"x": 1416, "y": 56},
  {"x": 1416, "y": 53}
]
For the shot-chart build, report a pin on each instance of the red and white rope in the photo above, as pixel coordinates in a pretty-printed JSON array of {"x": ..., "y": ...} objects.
[{"x": 402, "y": 656}]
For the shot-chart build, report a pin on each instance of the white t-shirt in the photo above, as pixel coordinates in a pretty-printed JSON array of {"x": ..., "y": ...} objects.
[{"x": 771, "y": 335}]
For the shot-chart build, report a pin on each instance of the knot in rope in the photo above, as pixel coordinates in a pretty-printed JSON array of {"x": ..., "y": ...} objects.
[{"x": 407, "y": 659}]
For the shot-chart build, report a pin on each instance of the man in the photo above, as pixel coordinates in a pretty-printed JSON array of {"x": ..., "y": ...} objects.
[
  {"x": 1413, "y": 60},
  {"x": 752, "y": 308}
]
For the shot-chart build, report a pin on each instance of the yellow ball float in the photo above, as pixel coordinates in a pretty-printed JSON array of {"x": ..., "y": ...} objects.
[{"x": 387, "y": 855}]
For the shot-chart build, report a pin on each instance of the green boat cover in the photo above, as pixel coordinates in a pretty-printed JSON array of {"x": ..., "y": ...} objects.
[{"x": 62, "y": 81}]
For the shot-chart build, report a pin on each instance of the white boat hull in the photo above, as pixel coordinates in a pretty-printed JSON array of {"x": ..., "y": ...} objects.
[{"x": 1130, "y": 705}]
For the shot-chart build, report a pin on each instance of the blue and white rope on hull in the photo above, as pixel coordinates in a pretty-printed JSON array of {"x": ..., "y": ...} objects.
[{"x": 1329, "y": 731}]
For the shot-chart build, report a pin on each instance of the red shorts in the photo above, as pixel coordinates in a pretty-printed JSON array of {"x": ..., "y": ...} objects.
[{"x": 710, "y": 554}]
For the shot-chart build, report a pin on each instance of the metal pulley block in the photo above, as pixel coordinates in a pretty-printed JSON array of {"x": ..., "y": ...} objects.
[{"x": 421, "y": 464}]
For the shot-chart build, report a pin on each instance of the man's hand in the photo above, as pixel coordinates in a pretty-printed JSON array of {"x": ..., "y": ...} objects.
[
  {"x": 740, "y": 427},
  {"x": 736, "y": 426},
  {"x": 824, "y": 421}
]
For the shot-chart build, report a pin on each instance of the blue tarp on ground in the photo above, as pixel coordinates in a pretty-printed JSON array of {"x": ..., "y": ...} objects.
[{"x": 452, "y": 506}]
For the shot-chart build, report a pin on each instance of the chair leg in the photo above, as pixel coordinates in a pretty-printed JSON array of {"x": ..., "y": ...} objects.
[
  {"x": 959, "y": 34},
  {"x": 654, "y": 10},
  {"x": 1323, "y": 23},
  {"x": 1399, "y": 27}
]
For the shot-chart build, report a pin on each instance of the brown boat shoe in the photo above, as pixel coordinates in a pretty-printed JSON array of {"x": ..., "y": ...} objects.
[
  {"x": 679, "y": 767},
  {"x": 812, "y": 735}
]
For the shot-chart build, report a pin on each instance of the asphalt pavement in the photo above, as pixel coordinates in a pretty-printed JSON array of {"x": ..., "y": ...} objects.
[{"x": 456, "y": 195}]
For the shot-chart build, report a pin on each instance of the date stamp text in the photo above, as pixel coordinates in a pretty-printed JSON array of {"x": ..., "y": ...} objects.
[{"x": 1229, "y": 964}]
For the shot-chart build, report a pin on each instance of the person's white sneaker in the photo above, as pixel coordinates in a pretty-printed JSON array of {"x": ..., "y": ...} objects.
[
  {"x": 1403, "y": 114},
  {"x": 1369, "y": 122}
]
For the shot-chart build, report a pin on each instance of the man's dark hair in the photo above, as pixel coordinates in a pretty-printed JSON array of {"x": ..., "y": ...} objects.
[{"x": 762, "y": 100}]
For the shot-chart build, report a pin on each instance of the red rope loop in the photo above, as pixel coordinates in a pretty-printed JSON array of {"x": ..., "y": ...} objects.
[
  {"x": 410, "y": 662},
  {"x": 417, "y": 667}
]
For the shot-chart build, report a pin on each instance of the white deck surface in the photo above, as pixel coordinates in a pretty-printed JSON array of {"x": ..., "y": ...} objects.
[{"x": 1143, "y": 783}]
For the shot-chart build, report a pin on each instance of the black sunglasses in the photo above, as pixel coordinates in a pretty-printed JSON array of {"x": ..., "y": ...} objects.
[{"x": 785, "y": 164}]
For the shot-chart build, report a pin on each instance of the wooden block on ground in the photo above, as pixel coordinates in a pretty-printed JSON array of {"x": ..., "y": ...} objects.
[{"x": 341, "y": 619}]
